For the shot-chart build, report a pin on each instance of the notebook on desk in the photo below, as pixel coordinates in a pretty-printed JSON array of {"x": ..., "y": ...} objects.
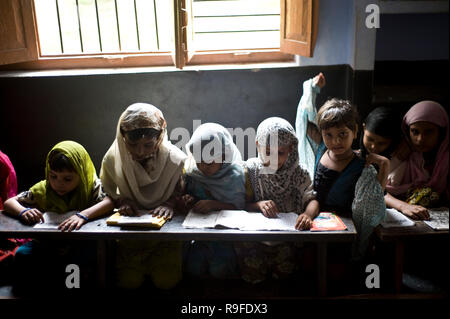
[
  {"x": 438, "y": 218},
  {"x": 326, "y": 221},
  {"x": 52, "y": 220},
  {"x": 143, "y": 220},
  {"x": 394, "y": 218},
  {"x": 240, "y": 219}
]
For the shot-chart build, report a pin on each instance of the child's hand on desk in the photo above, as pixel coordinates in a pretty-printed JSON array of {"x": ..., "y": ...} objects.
[
  {"x": 303, "y": 222},
  {"x": 205, "y": 206},
  {"x": 32, "y": 216},
  {"x": 127, "y": 208},
  {"x": 416, "y": 212},
  {"x": 71, "y": 223},
  {"x": 188, "y": 201},
  {"x": 163, "y": 211},
  {"x": 268, "y": 208}
]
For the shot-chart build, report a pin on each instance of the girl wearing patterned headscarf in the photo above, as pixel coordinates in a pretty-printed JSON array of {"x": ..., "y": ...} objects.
[
  {"x": 141, "y": 171},
  {"x": 215, "y": 179},
  {"x": 421, "y": 181},
  {"x": 278, "y": 184}
]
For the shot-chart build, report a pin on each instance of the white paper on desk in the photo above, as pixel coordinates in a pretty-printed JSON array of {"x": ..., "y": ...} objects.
[
  {"x": 52, "y": 220},
  {"x": 257, "y": 221},
  {"x": 438, "y": 218},
  {"x": 240, "y": 219},
  {"x": 394, "y": 218},
  {"x": 197, "y": 220}
]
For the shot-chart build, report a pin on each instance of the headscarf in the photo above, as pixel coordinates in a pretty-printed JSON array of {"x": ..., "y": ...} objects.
[
  {"x": 123, "y": 177},
  {"x": 290, "y": 186},
  {"x": 306, "y": 112},
  {"x": 8, "y": 179},
  {"x": 415, "y": 174},
  {"x": 81, "y": 197},
  {"x": 212, "y": 142}
]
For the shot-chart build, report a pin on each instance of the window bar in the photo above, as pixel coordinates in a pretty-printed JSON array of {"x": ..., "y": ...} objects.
[
  {"x": 156, "y": 24},
  {"x": 59, "y": 26},
  {"x": 79, "y": 27},
  {"x": 98, "y": 27},
  {"x": 118, "y": 28},
  {"x": 137, "y": 26}
]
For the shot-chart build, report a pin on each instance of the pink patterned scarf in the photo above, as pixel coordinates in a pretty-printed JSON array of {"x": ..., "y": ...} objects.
[
  {"x": 8, "y": 179},
  {"x": 415, "y": 174}
]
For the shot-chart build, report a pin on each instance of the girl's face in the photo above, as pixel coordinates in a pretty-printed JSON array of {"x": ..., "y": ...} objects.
[
  {"x": 63, "y": 182},
  {"x": 375, "y": 143},
  {"x": 281, "y": 153},
  {"x": 424, "y": 136},
  {"x": 338, "y": 139},
  {"x": 142, "y": 149},
  {"x": 209, "y": 169}
]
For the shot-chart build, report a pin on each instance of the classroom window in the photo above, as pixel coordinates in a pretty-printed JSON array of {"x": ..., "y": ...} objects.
[{"x": 119, "y": 33}]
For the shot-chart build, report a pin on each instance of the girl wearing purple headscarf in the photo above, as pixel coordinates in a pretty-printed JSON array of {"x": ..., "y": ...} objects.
[{"x": 421, "y": 180}]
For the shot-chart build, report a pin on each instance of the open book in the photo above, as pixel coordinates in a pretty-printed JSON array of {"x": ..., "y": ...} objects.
[
  {"x": 438, "y": 218},
  {"x": 326, "y": 222},
  {"x": 52, "y": 219},
  {"x": 240, "y": 219},
  {"x": 394, "y": 218},
  {"x": 142, "y": 220}
]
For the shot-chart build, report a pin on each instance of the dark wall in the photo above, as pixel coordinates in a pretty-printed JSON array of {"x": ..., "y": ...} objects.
[
  {"x": 37, "y": 112},
  {"x": 412, "y": 37}
]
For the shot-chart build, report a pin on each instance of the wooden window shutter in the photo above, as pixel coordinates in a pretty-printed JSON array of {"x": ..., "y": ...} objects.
[
  {"x": 188, "y": 31},
  {"x": 183, "y": 33},
  {"x": 18, "y": 40},
  {"x": 299, "y": 24}
]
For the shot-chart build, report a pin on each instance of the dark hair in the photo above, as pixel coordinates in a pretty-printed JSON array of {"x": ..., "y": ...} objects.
[
  {"x": 385, "y": 122},
  {"x": 59, "y": 162},
  {"x": 337, "y": 112},
  {"x": 137, "y": 134}
]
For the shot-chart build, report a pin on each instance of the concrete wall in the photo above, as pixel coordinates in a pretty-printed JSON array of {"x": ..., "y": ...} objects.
[
  {"x": 334, "y": 44},
  {"x": 38, "y": 112}
]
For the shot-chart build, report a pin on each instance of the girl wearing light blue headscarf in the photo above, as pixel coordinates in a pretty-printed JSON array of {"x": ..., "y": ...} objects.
[
  {"x": 215, "y": 179},
  {"x": 213, "y": 170}
]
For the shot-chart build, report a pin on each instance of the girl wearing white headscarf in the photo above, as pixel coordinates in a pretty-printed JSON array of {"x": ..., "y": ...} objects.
[
  {"x": 216, "y": 181},
  {"x": 141, "y": 170}
]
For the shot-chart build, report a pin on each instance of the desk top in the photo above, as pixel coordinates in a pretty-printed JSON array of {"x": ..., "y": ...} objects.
[
  {"x": 172, "y": 230},
  {"x": 417, "y": 232}
]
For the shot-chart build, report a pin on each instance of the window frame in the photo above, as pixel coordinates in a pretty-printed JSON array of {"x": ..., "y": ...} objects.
[{"x": 180, "y": 57}]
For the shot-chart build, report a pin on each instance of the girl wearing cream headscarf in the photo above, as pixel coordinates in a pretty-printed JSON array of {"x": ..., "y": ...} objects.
[{"x": 141, "y": 170}]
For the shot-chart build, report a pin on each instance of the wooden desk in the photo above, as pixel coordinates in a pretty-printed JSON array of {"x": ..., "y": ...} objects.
[
  {"x": 399, "y": 235},
  {"x": 172, "y": 230}
]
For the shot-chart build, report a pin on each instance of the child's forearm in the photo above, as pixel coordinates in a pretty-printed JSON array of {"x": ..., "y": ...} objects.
[
  {"x": 312, "y": 209},
  {"x": 251, "y": 207},
  {"x": 224, "y": 206},
  {"x": 99, "y": 209},
  {"x": 313, "y": 132},
  {"x": 393, "y": 202},
  {"x": 383, "y": 174},
  {"x": 13, "y": 207}
]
